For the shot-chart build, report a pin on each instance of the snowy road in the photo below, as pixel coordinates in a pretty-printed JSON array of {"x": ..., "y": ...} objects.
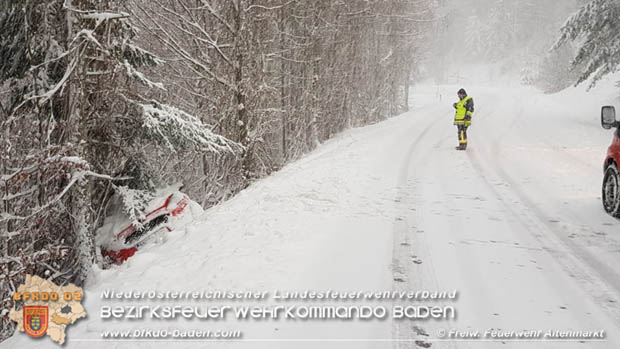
[{"x": 514, "y": 224}]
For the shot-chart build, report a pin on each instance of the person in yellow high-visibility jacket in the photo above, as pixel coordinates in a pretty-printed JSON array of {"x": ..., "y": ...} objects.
[{"x": 462, "y": 119}]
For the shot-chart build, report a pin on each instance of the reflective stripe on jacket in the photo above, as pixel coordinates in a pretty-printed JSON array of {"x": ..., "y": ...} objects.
[{"x": 465, "y": 107}]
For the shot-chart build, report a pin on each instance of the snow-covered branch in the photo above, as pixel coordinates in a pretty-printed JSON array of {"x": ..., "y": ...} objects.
[
  {"x": 75, "y": 177},
  {"x": 178, "y": 129}
]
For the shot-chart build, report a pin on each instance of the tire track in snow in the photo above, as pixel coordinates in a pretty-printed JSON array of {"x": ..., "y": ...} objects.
[
  {"x": 412, "y": 262},
  {"x": 409, "y": 334},
  {"x": 596, "y": 278}
]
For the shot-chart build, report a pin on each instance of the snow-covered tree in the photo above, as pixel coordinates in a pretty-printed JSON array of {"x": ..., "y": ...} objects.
[
  {"x": 476, "y": 37},
  {"x": 513, "y": 36},
  {"x": 81, "y": 122},
  {"x": 101, "y": 101},
  {"x": 280, "y": 76},
  {"x": 556, "y": 72},
  {"x": 596, "y": 27}
]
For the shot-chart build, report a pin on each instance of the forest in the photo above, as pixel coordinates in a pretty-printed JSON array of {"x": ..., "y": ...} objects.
[
  {"x": 101, "y": 102},
  {"x": 104, "y": 101}
]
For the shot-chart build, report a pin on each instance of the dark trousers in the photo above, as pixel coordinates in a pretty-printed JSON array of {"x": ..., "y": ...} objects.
[{"x": 462, "y": 135}]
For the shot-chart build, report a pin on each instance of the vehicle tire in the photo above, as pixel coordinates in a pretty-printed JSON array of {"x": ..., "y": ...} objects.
[{"x": 611, "y": 191}]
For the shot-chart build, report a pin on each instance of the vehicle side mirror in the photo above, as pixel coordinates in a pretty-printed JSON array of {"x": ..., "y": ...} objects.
[{"x": 608, "y": 117}]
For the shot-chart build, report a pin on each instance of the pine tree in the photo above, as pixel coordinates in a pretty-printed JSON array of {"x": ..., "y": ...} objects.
[
  {"x": 476, "y": 38},
  {"x": 596, "y": 25},
  {"x": 82, "y": 123},
  {"x": 556, "y": 71}
]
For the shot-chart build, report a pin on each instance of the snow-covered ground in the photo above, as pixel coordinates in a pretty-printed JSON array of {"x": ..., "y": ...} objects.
[{"x": 515, "y": 224}]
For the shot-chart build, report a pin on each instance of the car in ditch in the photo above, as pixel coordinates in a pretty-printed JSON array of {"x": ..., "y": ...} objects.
[{"x": 119, "y": 238}]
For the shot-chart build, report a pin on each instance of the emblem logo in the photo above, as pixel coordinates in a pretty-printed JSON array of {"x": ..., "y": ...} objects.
[{"x": 36, "y": 319}]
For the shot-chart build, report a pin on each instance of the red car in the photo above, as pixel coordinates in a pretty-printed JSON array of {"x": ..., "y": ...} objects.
[
  {"x": 611, "y": 179},
  {"x": 125, "y": 243}
]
